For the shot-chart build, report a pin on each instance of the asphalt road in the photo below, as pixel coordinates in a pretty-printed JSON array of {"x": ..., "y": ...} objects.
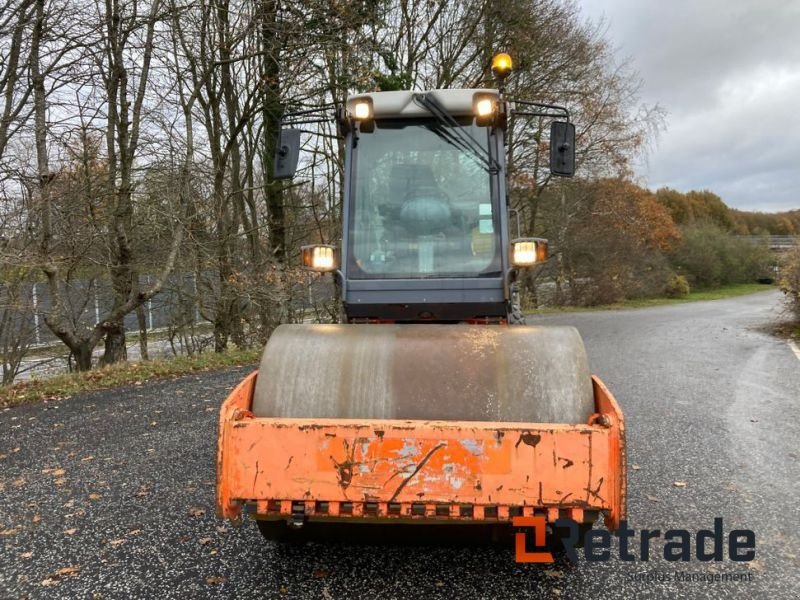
[{"x": 111, "y": 494}]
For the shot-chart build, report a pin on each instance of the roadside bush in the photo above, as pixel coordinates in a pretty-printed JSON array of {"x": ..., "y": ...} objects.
[
  {"x": 790, "y": 281},
  {"x": 709, "y": 257},
  {"x": 677, "y": 287},
  {"x": 611, "y": 236}
]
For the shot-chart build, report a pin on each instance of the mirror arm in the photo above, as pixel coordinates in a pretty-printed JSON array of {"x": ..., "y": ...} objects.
[
  {"x": 525, "y": 113},
  {"x": 320, "y": 114},
  {"x": 562, "y": 110}
]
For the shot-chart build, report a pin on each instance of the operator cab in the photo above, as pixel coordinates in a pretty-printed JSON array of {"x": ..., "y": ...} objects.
[{"x": 425, "y": 233}]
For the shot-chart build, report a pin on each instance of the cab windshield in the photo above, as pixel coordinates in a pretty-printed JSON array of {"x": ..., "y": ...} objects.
[{"x": 421, "y": 203}]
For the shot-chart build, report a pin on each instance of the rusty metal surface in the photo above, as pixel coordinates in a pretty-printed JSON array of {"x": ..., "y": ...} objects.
[
  {"x": 388, "y": 468},
  {"x": 428, "y": 372}
]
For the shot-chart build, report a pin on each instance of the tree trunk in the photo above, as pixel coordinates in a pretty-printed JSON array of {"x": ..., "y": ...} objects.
[
  {"x": 83, "y": 356},
  {"x": 271, "y": 114},
  {"x": 114, "y": 344}
]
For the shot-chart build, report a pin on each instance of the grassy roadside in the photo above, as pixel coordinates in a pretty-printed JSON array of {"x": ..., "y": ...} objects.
[
  {"x": 69, "y": 384},
  {"x": 731, "y": 291}
]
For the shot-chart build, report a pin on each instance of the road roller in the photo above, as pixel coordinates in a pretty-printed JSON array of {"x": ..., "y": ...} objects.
[{"x": 431, "y": 403}]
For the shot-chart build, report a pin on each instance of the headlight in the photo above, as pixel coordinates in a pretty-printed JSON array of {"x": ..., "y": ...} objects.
[
  {"x": 362, "y": 110},
  {"x": 484, "y": 107},
  {"x": 526, "y": 252},
  {"x": 319, "y": 258}
]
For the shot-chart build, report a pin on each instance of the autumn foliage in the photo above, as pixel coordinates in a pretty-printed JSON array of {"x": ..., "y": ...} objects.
[
  {"x": 615, "y": 240},
  {"x": 790, "y": 280}
]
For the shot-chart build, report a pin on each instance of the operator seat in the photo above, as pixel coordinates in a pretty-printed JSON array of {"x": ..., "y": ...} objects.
[{"x": 422, "y": 207}]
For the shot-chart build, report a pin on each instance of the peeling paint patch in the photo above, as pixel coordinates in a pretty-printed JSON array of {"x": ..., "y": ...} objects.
[
  {"x": 473, "y": 446},
  {"x": 409, "y": 448}
]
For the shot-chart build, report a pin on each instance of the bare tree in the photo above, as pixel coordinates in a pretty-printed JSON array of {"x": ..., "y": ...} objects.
[{"x": 122, "y": 137}]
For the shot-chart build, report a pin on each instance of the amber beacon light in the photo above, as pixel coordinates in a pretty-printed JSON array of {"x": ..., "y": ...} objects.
[{"x": 501, "y": 65}]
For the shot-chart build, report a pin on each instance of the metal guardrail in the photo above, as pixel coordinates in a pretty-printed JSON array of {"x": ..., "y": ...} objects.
[{"x": 775, "y": 242}]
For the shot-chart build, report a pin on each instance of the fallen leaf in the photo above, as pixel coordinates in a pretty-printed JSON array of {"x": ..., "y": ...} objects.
[
  {"x": 47, "y": 582},
  {"x": 320, "y": 573},
  {"x": 653, "y": 499},
  {"x": 15, "y": 450},
  {"x": 26, "y": 554},
  {"x": 142, "y": 492},
  {"x": 36, "y": 518},
  {"x": 635, "y": 467},
  {"x": 221, "y": 529},
  {"x": 116, "y": 542},
  {"x": 756, "y": 565},
  {"x": 284, "y": 590},
  {"x": 212, "y": 552},
  {"x": 60, "y": 481},
  {"x": 553, "y": 573},
  {"x": 65, "y": 571},
  {"x": 134, "y": 532},
  {"x": 95, "y": 496},
  {"x": 70, "y": 531},
  {"x": 197, "y": 511},
  {"x": 3, "y": 456},
  {"x": 19, "y": 482},
  {"x": 87, "y": 458},
  {"x": 9, "y": 531},
  {"x": 679, "y": 484},
  {"x": 57, "y": 472},
  {"x": 215, "y": 580},
  {"x": 204, "y": 541}
]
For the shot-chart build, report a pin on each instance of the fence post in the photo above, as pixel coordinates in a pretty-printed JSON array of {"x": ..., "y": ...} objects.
[
  {"x": 149, "y": 307},
  {"x": 35, "y": 300}
]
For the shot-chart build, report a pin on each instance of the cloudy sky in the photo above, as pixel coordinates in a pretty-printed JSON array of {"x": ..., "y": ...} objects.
[{"x": 728, "y": 74}]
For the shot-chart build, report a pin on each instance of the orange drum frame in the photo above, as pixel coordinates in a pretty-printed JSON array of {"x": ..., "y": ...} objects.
[{"x": 419, "y": 471}]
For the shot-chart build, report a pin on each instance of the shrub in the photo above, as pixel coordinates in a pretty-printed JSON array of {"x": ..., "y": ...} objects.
[
  {"x": 710, "y": 257},
  {"x": 677, "y": 287},
  {"x": 790, "y": 280}
]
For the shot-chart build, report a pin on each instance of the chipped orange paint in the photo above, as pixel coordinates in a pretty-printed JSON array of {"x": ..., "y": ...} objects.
[{"x": 368, "y": 465}]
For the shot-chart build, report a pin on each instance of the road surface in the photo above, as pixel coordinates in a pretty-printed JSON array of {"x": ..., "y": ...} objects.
[{"x": 111, "y": 494}]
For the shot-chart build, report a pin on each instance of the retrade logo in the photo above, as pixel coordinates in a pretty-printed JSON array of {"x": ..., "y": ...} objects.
[
  {"x": 709, "y": 544},
  {"x": 539, "y": 526}
]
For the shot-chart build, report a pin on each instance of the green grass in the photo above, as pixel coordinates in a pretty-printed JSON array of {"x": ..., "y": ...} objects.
[
  {"x": 730, "y": 291},
  {"x": 121, "y": 374}
]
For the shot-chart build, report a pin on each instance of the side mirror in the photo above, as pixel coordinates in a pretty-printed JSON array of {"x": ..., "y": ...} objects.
[
  {"x": 286, "y": 154},
  {"x": 562, "y": 149}
]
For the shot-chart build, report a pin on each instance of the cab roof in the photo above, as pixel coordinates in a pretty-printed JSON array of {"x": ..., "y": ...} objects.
[{"x": 401, "y": 104}]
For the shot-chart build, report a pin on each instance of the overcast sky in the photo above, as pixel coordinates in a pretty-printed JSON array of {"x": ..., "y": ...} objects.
[{"x": 728, "y": 74}]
